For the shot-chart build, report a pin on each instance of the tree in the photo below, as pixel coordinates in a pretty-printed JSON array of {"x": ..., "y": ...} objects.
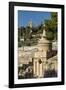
[{"x": 51, "y": 25}]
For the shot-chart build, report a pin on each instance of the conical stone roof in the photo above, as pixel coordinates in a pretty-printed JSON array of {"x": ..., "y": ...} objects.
[{"x": 43, "y": 39}]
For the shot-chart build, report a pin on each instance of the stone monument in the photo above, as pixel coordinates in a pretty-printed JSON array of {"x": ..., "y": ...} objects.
[{"x": 40, "y": 56}]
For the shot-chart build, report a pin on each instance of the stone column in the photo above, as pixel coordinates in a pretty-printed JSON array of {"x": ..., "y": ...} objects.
[
  {"x": 35, "y": 68},
  {"x": 41, "y": 72}
]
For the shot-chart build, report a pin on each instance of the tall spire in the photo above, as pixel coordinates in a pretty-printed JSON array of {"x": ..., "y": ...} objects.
[{"x": 44, "y": 32}]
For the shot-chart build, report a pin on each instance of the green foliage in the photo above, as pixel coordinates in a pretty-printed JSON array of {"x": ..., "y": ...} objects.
[
  {"x": 50, "y": 35},
  {"x": 52, "y": 27}
]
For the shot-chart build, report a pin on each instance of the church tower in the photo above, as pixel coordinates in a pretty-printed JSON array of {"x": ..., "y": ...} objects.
[{"x": 30, "y": 24}]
